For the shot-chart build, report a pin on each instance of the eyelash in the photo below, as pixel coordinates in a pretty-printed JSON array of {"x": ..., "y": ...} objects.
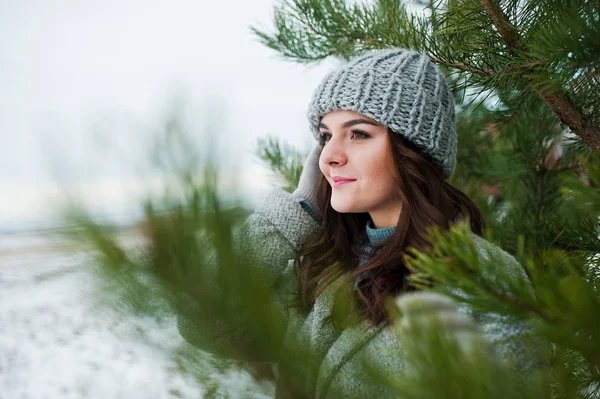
[{"x": 323, "y": 141}]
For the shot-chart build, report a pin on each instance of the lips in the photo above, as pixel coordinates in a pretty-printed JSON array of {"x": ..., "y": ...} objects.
[{"x": 340, "y": 181}]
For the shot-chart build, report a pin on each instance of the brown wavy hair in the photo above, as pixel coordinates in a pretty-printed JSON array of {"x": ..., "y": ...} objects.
[{"x": 427, "y": 200}]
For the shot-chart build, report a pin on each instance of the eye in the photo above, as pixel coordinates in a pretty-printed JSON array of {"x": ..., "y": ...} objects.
[
  {"x": 357, "y": 134},
  {"x": 324, "y": 138}
]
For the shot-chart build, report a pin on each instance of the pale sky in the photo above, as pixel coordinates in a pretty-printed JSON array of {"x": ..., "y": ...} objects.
[{"x": 84, "y": 85}]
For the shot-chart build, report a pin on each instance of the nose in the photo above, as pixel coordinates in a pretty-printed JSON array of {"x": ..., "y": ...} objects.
[{"x": 334, "y": 153}]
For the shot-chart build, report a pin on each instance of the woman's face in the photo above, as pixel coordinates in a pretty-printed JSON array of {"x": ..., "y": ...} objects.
[{"x": 357, "y": 162}]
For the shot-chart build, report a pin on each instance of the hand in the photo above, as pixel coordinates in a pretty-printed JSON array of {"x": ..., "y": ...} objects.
[
  {"x": 425, "y": 310},
  {"x": 309, "y": 179}
]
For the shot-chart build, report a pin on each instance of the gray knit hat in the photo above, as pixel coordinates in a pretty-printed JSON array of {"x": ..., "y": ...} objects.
[{"x": 400, "y": 89}]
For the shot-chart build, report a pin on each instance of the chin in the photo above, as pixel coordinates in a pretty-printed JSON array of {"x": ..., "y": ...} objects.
[{"x": 345, "y": 206}]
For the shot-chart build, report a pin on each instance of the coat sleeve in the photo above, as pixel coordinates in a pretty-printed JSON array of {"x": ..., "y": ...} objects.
[
  {"x": 343, "y": 374},
  {"x": 273, "y": 234}
]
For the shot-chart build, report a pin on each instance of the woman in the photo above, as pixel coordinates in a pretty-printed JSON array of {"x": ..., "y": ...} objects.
[{"x": 368, "y": 191}]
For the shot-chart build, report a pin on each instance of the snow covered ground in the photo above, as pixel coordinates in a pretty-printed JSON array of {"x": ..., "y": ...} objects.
[{"x": 60, "y": 339}]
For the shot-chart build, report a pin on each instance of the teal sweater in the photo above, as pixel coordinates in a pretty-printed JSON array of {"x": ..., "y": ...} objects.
[
  {"x": 377, "y": 236},
  {"x": 277, "y": 230},
  {"x": 373, "y": 237}
]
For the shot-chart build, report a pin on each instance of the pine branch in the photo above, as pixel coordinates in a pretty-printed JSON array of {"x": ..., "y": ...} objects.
[
  {"x": 506, "y": 30},
  {"x": 463, "y": 67},
  {"x": 570, "y": 115},
  {"x": 474, "y": 38},
  {"x": 282, "y": 159},
  {"x": 559, "y": 102}
]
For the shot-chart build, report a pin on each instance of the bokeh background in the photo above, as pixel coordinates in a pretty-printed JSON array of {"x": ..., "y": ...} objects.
[{"x": 86, "y": 86}]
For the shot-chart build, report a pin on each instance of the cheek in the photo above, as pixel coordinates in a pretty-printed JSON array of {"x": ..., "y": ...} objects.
[
  {"x": 380, "y": 177},
  {"x": 377, "y": 159},
  {"x": 378, "y": 171},
  {"x": 322, "y": 167}
]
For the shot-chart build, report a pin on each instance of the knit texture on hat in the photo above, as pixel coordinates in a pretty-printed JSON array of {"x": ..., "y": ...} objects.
[{"x": 400, "y": 89}]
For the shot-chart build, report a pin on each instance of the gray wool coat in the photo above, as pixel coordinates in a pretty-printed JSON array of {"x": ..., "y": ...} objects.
[{"x": 278, "y": 227}]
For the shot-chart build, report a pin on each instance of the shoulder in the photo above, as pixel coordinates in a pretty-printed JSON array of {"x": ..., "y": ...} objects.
[
  {"x": 510, "y": 335},
  {"x": 497, "y": 262}
]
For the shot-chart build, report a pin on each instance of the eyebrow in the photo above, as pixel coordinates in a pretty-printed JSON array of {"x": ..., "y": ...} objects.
[{"x": 352, "y": 123}]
